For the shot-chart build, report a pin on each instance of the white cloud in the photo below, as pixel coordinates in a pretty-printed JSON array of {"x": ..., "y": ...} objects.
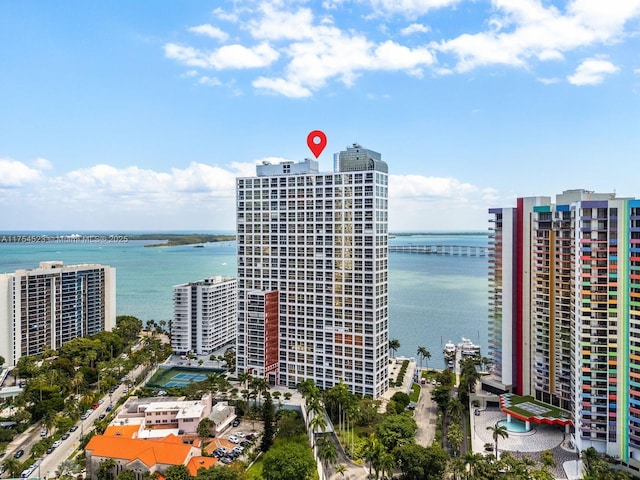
[
  {"x": 418, "y": 186},
  {"x": 229, "y": 56},
  {"x": 549, "y": 81},
  {"x": 419, "y": 202},
  {"x": 636, "y": 71},
  {"x": 209, "y": 81},
  {"x": 592, "y": 72},
  {"x": 108, "y": 197},
  {"x": 226, "y": 16},
  {"x": 527, "y": 29},
  {"x": 298, "y": 49},
  {"x": 210, "y": 31},
  {"x": 281, "y": 86},
  {"x": 410, "y": 8},
  {"x": 415, "y": 28},
  {"x": 42, "y": 164},
  {"x": 16, "y": 174}
]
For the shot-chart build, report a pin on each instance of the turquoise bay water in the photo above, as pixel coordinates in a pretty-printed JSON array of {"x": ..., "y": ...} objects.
[{"x": 432, "y": 299}]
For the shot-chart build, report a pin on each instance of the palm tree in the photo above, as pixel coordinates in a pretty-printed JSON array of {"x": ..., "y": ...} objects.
[
  {"x": 341, "y": 469},
  {"x": 423, "y": 353},
  {"x": 259, "y": 386},
  {"x": 454, "y": 409},
  {"x": 498, "y": 431},
  {"x": 371, "y": 451},
  {"x": 394, "y": 345},
  {"x": 427, "y": 356},
  {"x": 387, "y": 465},
  {"x": 277, "y": 394},
  {"x": 327, "y": 452},
  {"x": 318, "y": 422},
  {"x": 13, "y": 466},
  {"x": 244, "y": 377}
]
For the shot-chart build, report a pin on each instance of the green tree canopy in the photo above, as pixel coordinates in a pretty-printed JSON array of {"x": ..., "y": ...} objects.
[
  {"x": 229, "y": 472},
  {"x": 396, "y": 430},
  {"x": 421, "y": 463},
  {"x": 178, "y": 472},
  {"x": 401, "y": 398},
  {"x": 126, "y": 475},
  {"x": 289, "y": 461},
  {"x": 128, "y": 327}
]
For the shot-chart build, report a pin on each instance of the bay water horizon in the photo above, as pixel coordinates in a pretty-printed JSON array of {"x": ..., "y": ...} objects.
[{"x": 433, "y": 299}]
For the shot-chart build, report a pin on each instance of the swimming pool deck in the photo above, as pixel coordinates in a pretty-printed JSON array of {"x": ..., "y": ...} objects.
[{"x": 529, "y": 444}]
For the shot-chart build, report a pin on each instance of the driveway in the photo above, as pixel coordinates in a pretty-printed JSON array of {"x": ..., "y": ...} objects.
[{"x": 425, "y": 415}]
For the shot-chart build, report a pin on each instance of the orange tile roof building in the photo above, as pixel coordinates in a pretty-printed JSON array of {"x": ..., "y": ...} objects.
[{"x": 136, "y": 455}]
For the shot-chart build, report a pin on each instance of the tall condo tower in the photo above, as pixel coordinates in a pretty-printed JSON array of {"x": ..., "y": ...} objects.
[
  {"x": 45, "y": 307},
  {"x": 564, "y": 321},
  {"x": 313, "y": 273}
]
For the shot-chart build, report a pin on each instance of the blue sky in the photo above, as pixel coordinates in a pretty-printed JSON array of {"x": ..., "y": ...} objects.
[{"x": 139, "y": 115}]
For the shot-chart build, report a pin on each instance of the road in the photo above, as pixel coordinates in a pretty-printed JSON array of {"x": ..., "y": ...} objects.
[
  {"x": 426, "y": 415},
  {"x": 48, "y": 464}
]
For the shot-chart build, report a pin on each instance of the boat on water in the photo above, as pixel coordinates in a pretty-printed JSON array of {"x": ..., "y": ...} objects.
[
  {"x": 449, "y": 350},
  {"x": 468, "y": 348},
  {"x": 465, "y": 349}
]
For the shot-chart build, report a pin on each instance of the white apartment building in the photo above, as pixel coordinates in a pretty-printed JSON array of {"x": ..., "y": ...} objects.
[
  {"x": 205, "y": 314},
  {"x": 318, "y": 240},
  {"x": 45, "y": 307}
]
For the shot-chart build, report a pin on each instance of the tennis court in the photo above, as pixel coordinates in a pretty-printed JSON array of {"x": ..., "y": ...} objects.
[
  {"x": 183, "y": 379},
  {"x": 177, "y": 377}
]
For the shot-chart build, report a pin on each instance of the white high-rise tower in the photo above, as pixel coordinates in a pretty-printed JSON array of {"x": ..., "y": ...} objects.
[{"x": 313, "y": 273}]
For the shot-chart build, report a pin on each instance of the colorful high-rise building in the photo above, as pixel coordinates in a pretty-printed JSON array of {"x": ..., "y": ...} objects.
[
  {"x": 204, "y": 315},
  {"x": 564, "y": 322},
  {"x": 45, "y": 307},
  {"x": 313, "y": 247}
]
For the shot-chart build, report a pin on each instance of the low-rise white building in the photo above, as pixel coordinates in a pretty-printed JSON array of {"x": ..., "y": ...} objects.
[{"x": 205, "y": 315}]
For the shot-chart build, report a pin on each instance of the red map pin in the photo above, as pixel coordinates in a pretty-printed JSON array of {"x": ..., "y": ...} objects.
[{"x": 316, "y": 141}]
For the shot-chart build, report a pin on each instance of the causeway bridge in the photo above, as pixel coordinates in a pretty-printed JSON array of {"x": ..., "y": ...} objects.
[{"x": 458, "y": 250}]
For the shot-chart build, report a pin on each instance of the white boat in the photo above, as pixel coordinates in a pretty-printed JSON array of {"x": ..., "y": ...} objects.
[
  {"x": 468, "y": 348},
  {"x": 449, "y": 350}
]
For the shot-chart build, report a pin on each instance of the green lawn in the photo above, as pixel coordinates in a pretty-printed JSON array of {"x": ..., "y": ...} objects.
[
  {"x": 415, "y": 393},
  {"x": 255, "y": 472},
  {"x": 516, "y": 403}
]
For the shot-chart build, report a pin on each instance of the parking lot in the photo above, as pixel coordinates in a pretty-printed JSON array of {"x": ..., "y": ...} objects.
[{"x": 235, "y": 442}]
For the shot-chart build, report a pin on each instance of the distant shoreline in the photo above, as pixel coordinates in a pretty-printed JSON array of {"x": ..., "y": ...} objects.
[
  {"x": 167, "y": 239},
  {"x": 174, "y": 240}
]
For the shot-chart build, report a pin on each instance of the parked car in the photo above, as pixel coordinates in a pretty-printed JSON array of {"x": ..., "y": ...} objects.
[
  {"x": 57, "y": 443},
  {"x": 18, "y": 454},
  {"x": 65, "y": 436},
  {"x": 74, "y": 428},
  {"x": 43, "y": 432},
  {"x": 236, "y": 422},
  {"x": 102, "y": 415},
  {"x": 234, "y": 439}
]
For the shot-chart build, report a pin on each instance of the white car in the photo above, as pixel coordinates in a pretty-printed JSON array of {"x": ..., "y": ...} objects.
[
  {"x": 57, "y": 443},
  {"x": 240, "y": 434},
  {"x": 234, "y": 439}
]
